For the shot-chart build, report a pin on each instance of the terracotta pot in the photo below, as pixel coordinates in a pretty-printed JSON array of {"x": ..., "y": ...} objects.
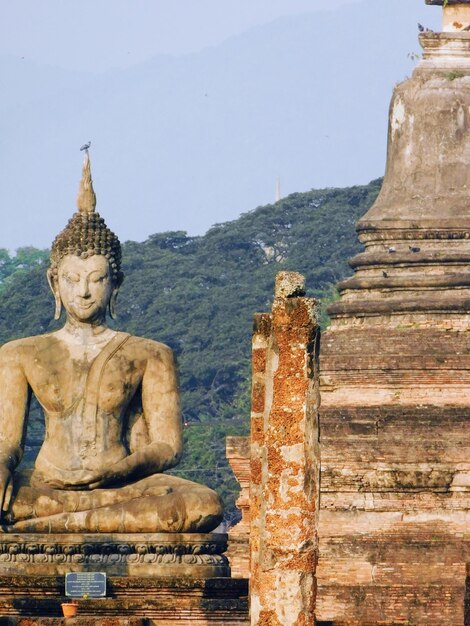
[{"x": 69, "y": 609}]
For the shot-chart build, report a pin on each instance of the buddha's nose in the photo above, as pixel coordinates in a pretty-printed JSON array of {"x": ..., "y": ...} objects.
[{"x": 84, "y": 289}]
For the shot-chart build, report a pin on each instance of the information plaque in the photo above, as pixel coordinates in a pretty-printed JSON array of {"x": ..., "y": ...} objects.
[{"x": 85, "y": 584}]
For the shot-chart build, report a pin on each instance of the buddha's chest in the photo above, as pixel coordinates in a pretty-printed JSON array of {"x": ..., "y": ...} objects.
[{"x": 65, "y": 384}]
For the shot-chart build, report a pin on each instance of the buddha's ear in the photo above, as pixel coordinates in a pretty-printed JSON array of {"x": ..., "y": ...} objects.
[
  {"x": 52, "y": 280},
  {"x": 117, "y": 282},
  {"x": 112, "y": 303}
]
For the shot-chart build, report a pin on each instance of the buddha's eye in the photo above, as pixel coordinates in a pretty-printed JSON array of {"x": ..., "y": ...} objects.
[
  {"x": 71, "y": 278},
  {"x": 99, "y": 279}
]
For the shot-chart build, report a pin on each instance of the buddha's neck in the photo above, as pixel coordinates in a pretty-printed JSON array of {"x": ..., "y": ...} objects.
[{"x": 85, "y": 333}]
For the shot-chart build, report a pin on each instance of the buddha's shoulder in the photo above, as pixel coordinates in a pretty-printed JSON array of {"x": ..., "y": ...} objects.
[
  {"x": 148, "y": 348},
  {"x": 24, "y": 347}
]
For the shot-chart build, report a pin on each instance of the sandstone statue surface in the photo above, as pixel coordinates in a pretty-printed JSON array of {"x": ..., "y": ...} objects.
[{"x": 111, "y": 406}]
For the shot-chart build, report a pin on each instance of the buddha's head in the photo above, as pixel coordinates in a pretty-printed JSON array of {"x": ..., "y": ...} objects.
[{"x": 85, "y": 268}]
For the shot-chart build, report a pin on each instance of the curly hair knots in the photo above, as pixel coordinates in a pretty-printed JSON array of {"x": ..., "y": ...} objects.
[{"x": 86, "y": 233}]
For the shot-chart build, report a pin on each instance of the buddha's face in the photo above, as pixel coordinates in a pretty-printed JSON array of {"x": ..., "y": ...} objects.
[{"x": 84, "y": 286}]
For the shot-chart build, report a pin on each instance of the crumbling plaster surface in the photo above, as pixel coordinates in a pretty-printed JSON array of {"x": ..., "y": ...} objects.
[{"x": 285, "y": 459}]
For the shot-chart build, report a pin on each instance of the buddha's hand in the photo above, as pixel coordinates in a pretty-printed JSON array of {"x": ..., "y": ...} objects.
[
  {"x": 130, "y": 468},
  {"x": 86, "y": 480},
  {"x": 116, "y": 473},
  {"x": 6, "y": 489}
]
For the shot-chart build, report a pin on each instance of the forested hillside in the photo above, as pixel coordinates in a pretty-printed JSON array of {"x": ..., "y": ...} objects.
[{"x": 198, "y": 295}]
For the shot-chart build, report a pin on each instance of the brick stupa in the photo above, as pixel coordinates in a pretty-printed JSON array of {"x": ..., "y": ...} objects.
[{"x": 395, "y": 368}]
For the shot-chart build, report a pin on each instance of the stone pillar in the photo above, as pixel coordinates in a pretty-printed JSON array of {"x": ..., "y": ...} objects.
[
  {"x": 260, "y": 404},
  {"x": 285, "y": 459}
]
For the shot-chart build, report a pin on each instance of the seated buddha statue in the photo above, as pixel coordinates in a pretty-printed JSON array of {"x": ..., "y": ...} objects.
[{"x": 111, "y": 406}]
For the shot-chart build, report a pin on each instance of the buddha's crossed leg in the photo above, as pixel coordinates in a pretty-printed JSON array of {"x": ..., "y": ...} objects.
[{"x": 158, "y": 503}]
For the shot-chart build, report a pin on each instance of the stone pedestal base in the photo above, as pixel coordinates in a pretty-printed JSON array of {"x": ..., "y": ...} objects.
[
  {"x": 165, "y": 579},
  {"x": 131, "y": 601},
  {"x": 158, "y": 554}
]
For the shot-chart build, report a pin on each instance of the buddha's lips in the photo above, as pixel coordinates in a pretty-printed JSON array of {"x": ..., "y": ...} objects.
[{"x": 85, "y": 305}]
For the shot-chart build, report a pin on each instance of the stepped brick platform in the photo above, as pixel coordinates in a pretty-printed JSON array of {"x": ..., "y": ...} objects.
[
  {"x": 75, "y": 621},
  {"x": 161, "y": 578},
  {"x": 31, "y": 600}
]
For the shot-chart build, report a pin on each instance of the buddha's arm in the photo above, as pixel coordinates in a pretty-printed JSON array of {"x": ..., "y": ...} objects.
[
  {"x": 14, "y": 400},
  {"x": 161, "y": 408}
]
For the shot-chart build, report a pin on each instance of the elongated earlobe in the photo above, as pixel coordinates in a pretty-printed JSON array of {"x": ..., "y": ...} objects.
[
  {"x": 58, "y": 308},
  {"x": 55, "y": 292},
  {"x": 112, "y": 304}
]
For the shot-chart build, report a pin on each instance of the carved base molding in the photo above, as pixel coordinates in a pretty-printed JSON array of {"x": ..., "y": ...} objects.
[{"x": 161, "y": 554}]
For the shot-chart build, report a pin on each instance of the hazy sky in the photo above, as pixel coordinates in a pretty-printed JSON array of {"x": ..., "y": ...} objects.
[
  {"x": 97, "y": 35},
  {"x": 194, "y": 107}
]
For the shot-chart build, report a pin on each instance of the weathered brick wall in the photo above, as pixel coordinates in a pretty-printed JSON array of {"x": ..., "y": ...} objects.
[
  {"x": 395, "y": 499},
  {"x": 238, "y": 455}
]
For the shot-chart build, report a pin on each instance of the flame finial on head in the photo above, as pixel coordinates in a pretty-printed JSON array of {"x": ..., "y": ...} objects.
[{"x": 86, "y": 199}]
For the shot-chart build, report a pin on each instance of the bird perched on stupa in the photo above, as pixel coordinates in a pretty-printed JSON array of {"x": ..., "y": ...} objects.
[{"x": 422, "y": 29}]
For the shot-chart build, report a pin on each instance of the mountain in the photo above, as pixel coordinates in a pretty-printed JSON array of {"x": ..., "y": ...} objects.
[
  {"x": 198, "y": 295},
  {"x": 192, "y": 140}
]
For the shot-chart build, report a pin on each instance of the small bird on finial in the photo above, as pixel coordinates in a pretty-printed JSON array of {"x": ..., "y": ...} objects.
[
  {"x": 86, "y": 146},
  {"x": 422, "y": 29}
]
